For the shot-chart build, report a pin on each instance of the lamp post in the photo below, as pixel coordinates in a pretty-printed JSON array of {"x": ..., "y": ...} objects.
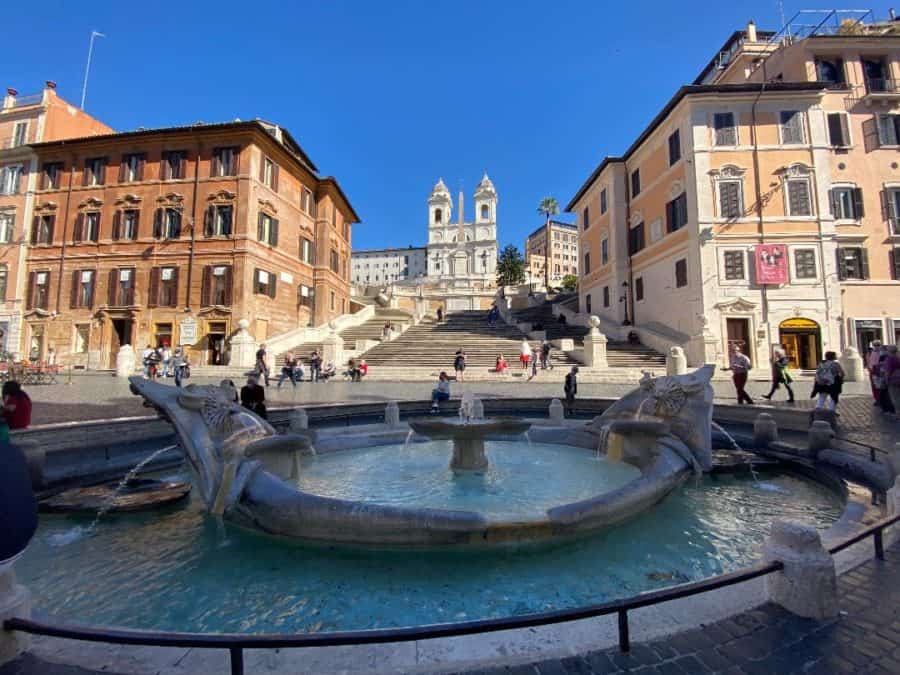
[{"x": 624, "y": 298}]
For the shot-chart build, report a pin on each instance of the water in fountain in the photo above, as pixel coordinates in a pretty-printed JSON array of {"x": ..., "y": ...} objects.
[
  {"x": 527, "y": 438},
  {"x": 737, "y": 446},
  {"x": 602, "y": 440},
  {"x": 408, "y": 439}
]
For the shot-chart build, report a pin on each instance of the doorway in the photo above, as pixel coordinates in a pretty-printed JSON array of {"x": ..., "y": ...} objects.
[
  {"x": 163, "y": 335},
  {"x": 802, "y": 341},
  {"x": 36, "y": 344},
  {"x": 215, "y": 349},
  {"x": 867, "y": 331},
  {"x": 738, "y": 333},
  {"x": 121, "y": 335}
]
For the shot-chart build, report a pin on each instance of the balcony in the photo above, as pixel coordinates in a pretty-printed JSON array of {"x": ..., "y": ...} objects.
[
  {"x": 881, "y": 89},
  {"x": 30, "y": 99}
]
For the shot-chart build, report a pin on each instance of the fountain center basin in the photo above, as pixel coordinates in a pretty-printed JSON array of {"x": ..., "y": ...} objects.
[{"x": 468, "y": 437}]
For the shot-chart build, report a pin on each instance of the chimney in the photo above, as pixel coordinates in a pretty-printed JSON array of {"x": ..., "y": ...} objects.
[
  {"x": 10, "y": 99},
  {"x": 751, "y": 31}
]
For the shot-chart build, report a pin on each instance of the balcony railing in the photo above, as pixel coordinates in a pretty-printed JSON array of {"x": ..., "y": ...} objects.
[
  {"x": 882, "y": 87},
  {"x": 30, "y": 99}
]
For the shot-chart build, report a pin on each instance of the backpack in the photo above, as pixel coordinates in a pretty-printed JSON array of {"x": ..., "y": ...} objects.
[{"x": 825, "y": 374}]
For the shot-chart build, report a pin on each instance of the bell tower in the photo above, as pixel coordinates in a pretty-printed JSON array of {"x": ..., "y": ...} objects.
[
  {"x": 440, "y": 206},
  {"x": 486, "y": 205}
]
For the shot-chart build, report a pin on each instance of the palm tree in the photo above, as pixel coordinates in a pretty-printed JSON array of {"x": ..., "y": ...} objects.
[{"x": 548, "y": 207}]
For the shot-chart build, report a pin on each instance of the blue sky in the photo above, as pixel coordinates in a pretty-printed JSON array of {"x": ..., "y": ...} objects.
[{"x": 388, "y": 96}]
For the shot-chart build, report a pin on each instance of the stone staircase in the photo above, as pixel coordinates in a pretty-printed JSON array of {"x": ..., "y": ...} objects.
[{"x": 618, "y": 354}]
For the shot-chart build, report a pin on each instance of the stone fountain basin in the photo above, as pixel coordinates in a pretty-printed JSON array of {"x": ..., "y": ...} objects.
[{"x": 442, "y": 429}]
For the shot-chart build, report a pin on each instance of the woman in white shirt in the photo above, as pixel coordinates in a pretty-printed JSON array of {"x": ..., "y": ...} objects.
[{"x": 525, "y": 354}]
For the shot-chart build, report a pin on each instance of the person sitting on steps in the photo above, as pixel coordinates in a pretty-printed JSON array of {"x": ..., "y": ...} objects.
[{"x": 441, "y": 392}]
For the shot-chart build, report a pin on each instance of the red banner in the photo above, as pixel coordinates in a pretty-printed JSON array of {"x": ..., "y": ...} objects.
[{"x": 771, "y": 263}]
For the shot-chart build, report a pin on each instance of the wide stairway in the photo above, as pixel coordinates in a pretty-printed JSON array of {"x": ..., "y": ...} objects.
[
  {"x": 618, "y": 354},
  {"x": 433, "y": 345}
]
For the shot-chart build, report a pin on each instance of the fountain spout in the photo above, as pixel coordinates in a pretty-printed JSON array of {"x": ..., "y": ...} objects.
[{"x": 468, "y": 437}]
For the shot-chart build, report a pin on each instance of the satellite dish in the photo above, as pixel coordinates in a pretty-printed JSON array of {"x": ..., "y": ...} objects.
[{"x": 17, "y": 504}]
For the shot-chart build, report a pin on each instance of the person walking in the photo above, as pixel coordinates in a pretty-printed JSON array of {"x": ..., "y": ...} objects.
[
  {"x": 441, "y": 392},
  {"x": 298, "y": 370},
  {"x": 166, "y": 361},
  {"x": 362, "y": 370},
  {"x": 739, "y": 365},
  {"x": 16, "y": 409},
  {"x": 440, "y": 315},
  {"x": 545, "y": 355},
  {"x": 873, "y": 357},
  {"x": 780, "y": 374},
  {"x": 891, "y": 370},
  {"x": 253, "y": 397},
  {"x": 570, "y": 388},
  {"x": 315, "y": 366},
  {"x": 534, "y": 366},
  {"x": 145, "y": 360},
  {"x": 179, "y": 366},
  {"x": 828, "y": 383},
  {"x": 287, "y": 370},
  {"x": 459, "y": 364},
  {"x": 262, "y": 365},
  {"x": 525, "y": 353},
  {"x": 493, "y": 315}
]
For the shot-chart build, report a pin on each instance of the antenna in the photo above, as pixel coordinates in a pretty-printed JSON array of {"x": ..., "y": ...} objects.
[
  {"x": 781, "y": 16},
  {"x": 87, "y": 69}
]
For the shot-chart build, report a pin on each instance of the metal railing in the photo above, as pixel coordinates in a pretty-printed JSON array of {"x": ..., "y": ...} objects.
[
  {"x": 28, "y": 99},
  {"x": 237, "y": 643},
  {"x": 882, "y": 85}
]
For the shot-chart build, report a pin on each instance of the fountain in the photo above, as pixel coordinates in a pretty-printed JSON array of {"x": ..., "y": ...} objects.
[{"x": 468, "y": 437}]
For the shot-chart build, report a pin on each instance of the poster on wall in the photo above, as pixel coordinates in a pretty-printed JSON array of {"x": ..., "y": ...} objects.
[{"x": 771, "y": 263}]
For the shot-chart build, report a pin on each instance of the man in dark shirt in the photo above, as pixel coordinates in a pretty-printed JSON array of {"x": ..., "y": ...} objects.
[
  {"x": 315, "y": 366},
  {"x": 571, "y": 388},
  {"x": 262, "y": 368},
  {"x": 253, "y": 396}
]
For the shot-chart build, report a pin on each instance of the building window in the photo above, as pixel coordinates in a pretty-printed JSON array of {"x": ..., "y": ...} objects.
[
  {"x": 333, "y": 305},
  {"x": 87, "y": 226},
  {"x": 267, "y": 229},
  {"x": 846, "y": 203},
  {"x": 94, "y": 172},
  {"x": 725, "y": 130},
  {"x": 83, "y": 289},
  {"x": 888, "y": 129},
  {"x": 39, "y": 293},
  {"x": 269, "y": 175},
  {"x": 4, "y": 275},
  {"x": 606, "y": 296},
  {"x": 853, "y": 263},
  {"x": 603, "y": 204},
  {"x": 167, "y": 223},
  {"x": 42, "y": 229},
  {"x": 82, "y": 338},
  {"x": 308, "y": 203},
  {"x": 173, "y": 164},
  {"x": 676, "y": 213},
  {"x": 51, "y": 175},
  {"x": 681, "y": 277},
  {"x": 335, "y": 262},
  {"x": 734, "y": 265},
  {"x": 636, "y": 239},
  {"x": 485, "y": 212},
  {"x": 225, "y": 162},
  {"x": 587, "y": 263},
  {"x": 218, "y": 220},
  {"x": 874, "y": 74},
  {"x": 839, "y": 129},
  {"x": 791, "y": 127},
  {"x": 894, "y": 255},
  {"x": 438, "y": 216},
  {"x": 132, "y": 168},
  {"x": 674, "y": 147},
  {"x": 587, "y": 303},
  {"x": 798, "y": 192},
  {"x": 10, "y": 177},
  {"x": 604, "y": 251},
  {"x": 805, "y": 263},
  {"x": 892, "y": 203},
  {"x": 164, "y": 286},
  {"x": 635, "y": 183},
  {"x": 638, "y": 289},
  {"x": 731, "y": 199},
  {"x": 7, "y": 225},
  {"x": 216, "y": 286},
  {"x": 125, "y": 224},
  {"x": 20, "y": 133},
  {"x": 585, "y": 218},
  {"x": 265, "y": 283},
  {"x": 305, "y": 295},
  {"x": 830, "y": 72},
  {"x": 121, "y": 288}
]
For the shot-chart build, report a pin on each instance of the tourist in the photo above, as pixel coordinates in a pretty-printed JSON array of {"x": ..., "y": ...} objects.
[
  {"x": 350, "y": 373},
  {"x": 262, "y": 366},
  {"x": 780, "y": 374},
  {"x": 493, "y": 315},
  {"x": 386, "y": 331},
  {"x": 524, "y": 353},
  {"x": 534, "y": 366},
  {"x": 570, "y": 388},
  {"x": 327, "y": 372},
  {"x": 315, "y": 366},
  {"x": 180, "y": 366},
  {"x": 145, "y": 360},
  {"x": 166, "y": 361},
  {"x": 231, "y": 388},
  {"x": 501, "y": 364},
  {"x": 151, "y": 362},
  {"x": 891, "y": 370},
  {"x": 16, "y": 406},
  {"x": 873, "y": 356},
  {"x": 562, "y": 319},
  {"x": 739, "y": 365},
  {"x": 440, "y": 315},
  {"x": 253, "y": 397},
  {"x": 545, "y": 355},
  {"x": 287, "y": 370},
  {"x": 362, "y": 370},
  {"x": 828, "y": 382},
  {"x": 51, "y": 356},
  {"x": 441, "y": 392},
  {"x": 298, "y": 370},
  {"x": 459, "y": 364}
]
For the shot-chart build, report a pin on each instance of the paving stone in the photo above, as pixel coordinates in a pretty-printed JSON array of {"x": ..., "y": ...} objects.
[
  {"x": 576, "y": 665},
  {"x": 714, "y": 660}
]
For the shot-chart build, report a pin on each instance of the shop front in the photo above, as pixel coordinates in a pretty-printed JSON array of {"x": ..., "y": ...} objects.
[
  {"x": 867, "y": 331},
  {"x": 802, "y": 340}
]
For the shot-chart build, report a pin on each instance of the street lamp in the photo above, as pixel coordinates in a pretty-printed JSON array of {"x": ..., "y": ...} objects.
[{"x": 624, "y": 298}]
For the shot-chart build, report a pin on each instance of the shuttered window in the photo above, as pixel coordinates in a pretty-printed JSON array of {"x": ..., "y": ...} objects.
[
  {"x": 125, "y": 224},
  {"x": 267, "y": 229},
  {"x": 791, "y": 125},
  {"x": 132, "y": 167},
  {"x": 264, "y": 283},
  {"x": 839, "y": 129},
  {"x": 852, "y": 263},
  {"x": 638, "y": 289},
  {"x": 217, "y": 283},
  {"x": 636, "y": 239},
  {"x": 83, "y": 283},
  {"x": 218, "y": 220},
  {"x": 121, "y": 287},
  {"x": 725, "y": 131},
  {"x": 38, "y": 290},
  {"x": 681, "y": 276},
  {"x": 676, "y": 213},
  {"x": 602, "y": 201},
  {"x": 799, "y": 203},
  {"x": 730, "y": 199},
  {"x": 734, "y": 265},
  {"x": 846, "y": 203},
  {"x": 42, "y": 229},
  {"x": 635, "y": 183},
  {"x": 894, "y": 254},
  {"x": 888, "y": 129},
  {"x": 606, "y": 296},
  {"x": 674, "y": 147},
  {"x": 173, "y": 164},
  {"x": 94, "y": 173},
  {"x": 805, "y": 263}
]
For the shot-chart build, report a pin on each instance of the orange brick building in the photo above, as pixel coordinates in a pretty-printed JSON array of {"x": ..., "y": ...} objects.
[
  {"x": 171, "y": 236},
  {"x": 25, "y": 120}
]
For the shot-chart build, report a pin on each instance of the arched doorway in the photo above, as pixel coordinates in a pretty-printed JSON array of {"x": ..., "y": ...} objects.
[{"x": 802, "y": 339}]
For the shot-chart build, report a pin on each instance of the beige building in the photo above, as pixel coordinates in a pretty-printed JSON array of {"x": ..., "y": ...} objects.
[
  {"x": 563, "y": 252},
  {"x": 759, "y": 206}
]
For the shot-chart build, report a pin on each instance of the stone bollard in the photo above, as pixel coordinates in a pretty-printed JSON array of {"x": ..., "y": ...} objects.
[
  {"x": 557, "y": 412},
  {"x": 477, "y": 409},
  {"x": 15, "y": 601},
  {"x": 807, "y": 586},
  {"x": 765, "y": 430},
  {"x": 820, "y": 436},
  {"x": 299, "y": 420},
  {"x": 392, "y": 414},
  {"x": 852, "y": 364},
  {"x": 125, "y": 361},
  {"x": 676, "y": 362}
]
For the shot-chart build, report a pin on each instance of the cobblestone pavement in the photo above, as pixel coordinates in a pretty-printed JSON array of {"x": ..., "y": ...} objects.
[{"x": 98, "y": 396}]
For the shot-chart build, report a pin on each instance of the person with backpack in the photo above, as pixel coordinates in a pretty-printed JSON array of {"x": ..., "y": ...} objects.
[
  {"x": 459, "y": 364},
  {"x": 878, "y": 373},
  {"x": 780, "y": 374},
  {"x": 891, "y": 370},
  {"x": 545, "y": 355},
  {"x": 739, "y": 365},
  {"x": 829, "y": 381},
  {"x": 570, "y": 388},
  {"x": 873, "y": 358}
]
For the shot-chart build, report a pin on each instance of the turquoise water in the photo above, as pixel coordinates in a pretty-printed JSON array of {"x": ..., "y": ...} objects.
[
  {"x": 178, "y": 570},
  {"x": 521, "y": 481}
]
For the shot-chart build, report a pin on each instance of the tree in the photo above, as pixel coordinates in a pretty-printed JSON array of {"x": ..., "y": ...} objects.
[
  {"x": 570, "y": 282},
  {"x": 548, "y": 207},
  {"x": 510, "y": 267}
]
